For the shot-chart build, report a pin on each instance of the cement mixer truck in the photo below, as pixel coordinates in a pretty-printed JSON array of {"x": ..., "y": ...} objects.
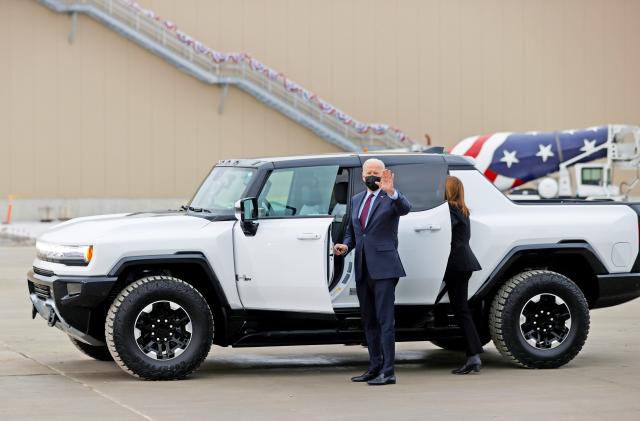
[{"x": 510, "y": 160}]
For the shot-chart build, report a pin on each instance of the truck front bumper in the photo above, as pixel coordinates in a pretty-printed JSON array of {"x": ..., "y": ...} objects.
[
  {"x": 68, "y": 302},
  {"x": 617, "y": 288}
]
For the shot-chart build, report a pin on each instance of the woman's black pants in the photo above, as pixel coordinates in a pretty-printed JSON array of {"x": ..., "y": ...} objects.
[{"x": 457, "y": 288}]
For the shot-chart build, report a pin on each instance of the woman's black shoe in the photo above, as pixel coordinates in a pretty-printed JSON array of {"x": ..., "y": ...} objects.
[{"x": 467, "y": 368}]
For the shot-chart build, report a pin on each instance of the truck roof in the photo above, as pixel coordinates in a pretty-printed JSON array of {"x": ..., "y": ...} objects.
[{"x": 451, "y": 160}]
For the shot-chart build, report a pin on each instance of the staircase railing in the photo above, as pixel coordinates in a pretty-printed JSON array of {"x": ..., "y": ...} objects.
[{"x": 163, "y": 38}]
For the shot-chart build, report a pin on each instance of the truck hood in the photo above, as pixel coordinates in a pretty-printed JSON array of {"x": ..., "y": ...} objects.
[{"x": 89, "y": 230}]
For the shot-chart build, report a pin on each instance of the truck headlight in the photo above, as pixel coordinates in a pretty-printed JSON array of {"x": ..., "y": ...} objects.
[{"x": 68, "y": 255}]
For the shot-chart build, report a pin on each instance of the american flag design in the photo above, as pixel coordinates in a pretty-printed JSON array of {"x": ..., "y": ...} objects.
[{"x": 511, "y": 159}]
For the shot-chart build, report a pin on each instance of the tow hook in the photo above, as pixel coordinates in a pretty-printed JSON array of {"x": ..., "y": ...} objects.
[{"x": 53, "y": 318}]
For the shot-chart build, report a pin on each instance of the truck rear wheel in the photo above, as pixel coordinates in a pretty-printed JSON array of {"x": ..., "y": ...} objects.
[
  {"x": 539, "y": 319},
  {"x": 100, "y": 353},
  {"x": 159, "y": 328}
]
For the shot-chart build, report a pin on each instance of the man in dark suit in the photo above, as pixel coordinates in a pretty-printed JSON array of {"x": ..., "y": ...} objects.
[{"x": 373, "y": 232}]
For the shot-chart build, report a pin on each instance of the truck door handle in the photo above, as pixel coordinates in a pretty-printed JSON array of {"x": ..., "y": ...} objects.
[
  {"x": 308, "y": 236},
  {"x": 431, "y": 227}
]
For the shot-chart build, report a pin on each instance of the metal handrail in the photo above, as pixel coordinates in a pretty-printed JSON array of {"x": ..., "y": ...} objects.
[{"x": 163, "y": 38}]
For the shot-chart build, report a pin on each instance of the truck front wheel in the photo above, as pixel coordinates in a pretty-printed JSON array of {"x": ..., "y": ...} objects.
[
  {"x": 539, "y": 319},
  {"x": 159, "y": 328}
]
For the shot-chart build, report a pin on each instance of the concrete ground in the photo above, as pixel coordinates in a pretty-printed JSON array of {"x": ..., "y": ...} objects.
[{"x": 42, "y": 376}]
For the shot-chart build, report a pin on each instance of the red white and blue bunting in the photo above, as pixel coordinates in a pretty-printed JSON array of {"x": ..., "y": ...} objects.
[{"x": 256, "y": 66}]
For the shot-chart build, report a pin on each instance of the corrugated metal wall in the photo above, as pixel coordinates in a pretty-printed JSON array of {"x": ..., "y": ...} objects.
[{"x": 104, "y": 118}]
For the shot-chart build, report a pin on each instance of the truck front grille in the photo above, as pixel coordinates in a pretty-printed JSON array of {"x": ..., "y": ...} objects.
[
  {"x": 42, "y": 291},
  {"x": 42, "y": 272}
]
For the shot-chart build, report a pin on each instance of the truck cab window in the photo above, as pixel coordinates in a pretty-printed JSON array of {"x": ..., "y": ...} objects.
[
  {"x": 298, "y": 192},
  {"x": 592, "y": 176},
  {"x": 423, "y": 184}
]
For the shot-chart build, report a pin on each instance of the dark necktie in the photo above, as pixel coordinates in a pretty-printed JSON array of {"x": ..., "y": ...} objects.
[{"x": 365, "y": 211}]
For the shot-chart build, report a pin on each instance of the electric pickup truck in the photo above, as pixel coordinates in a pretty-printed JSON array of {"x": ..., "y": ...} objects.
[{"x": 249, "y": 262}]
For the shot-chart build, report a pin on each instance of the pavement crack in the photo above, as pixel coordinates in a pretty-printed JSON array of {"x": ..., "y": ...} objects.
[{"x": 28, "y": 375}]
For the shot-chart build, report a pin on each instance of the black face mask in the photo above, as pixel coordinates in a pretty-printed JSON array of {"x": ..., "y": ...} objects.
[{"x": 370, "y": 181}]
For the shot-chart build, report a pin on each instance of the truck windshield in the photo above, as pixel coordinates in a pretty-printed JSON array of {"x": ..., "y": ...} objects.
[{"x": 223, "y": 187}]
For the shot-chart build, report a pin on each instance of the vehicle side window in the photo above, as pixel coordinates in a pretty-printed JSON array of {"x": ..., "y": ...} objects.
[
  {"x": 592, "y": 176},
  {"x": 423, "y": 184},
  {"x": 339, "y": 197},
  {"x": 298, "y": 192}
]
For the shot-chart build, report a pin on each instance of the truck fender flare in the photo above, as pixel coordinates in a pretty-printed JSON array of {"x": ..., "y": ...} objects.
[
  {"x": 181, "y": 257},
  {"x": 581, "y": 248}
]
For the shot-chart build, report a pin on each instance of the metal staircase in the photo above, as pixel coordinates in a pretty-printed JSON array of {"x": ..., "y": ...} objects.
[{"x": 163, "y": 38}]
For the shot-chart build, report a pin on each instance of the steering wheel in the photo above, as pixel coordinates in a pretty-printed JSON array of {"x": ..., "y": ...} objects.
[
  {"x": 268, "y": 204},
  {"x": 292, "y": 209}
]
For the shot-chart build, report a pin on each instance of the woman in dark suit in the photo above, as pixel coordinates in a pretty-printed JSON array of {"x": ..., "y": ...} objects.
[{"x": 461, "y": 264}]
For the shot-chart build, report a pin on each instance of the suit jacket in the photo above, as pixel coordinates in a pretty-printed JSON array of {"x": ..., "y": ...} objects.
[
  {"x": 461, "y": 258},
  {"x": 378, "y": 242}
]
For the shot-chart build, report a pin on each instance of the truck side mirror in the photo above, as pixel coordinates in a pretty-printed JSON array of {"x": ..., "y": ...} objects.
[{"x": 246, "y": 211}]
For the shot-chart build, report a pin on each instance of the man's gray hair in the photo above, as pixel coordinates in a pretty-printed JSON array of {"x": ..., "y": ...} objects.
[{"x": 373, "y": 161}]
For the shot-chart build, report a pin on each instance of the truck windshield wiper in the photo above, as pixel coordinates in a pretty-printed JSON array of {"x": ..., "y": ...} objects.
[{"x": 191, "y": 208}]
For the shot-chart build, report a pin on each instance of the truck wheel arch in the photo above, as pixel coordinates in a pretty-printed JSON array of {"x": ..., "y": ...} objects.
[
  {"x": 191, "y": 267},
  {"x": 576, "y": 260}
]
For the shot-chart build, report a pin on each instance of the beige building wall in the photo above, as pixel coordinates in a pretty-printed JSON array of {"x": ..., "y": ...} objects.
[{"x": 104, "y": 118}]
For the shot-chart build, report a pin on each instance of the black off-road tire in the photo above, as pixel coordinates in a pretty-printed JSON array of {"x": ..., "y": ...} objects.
[
  {"x": 509, "y": 302},
  {"x": 100, "y": 353},
  {"x": 122, "y": 316}
]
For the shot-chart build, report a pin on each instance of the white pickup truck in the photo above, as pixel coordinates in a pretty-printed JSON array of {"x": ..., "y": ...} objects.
[{"x": 248, "y": 262}]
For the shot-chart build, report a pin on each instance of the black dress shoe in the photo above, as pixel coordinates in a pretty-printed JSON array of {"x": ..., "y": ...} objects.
[
  {"x": 467, "y": 368},
  {"x": 381, "y": 380},
  {"x": 365, "y": 377}
]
